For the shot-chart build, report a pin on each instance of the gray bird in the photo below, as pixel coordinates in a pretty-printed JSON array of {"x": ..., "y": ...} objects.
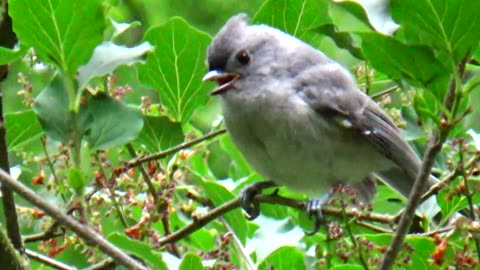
[{"x": 299, "y": 118}]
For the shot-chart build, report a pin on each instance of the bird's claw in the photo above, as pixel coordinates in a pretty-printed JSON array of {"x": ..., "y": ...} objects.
[
  {"x": 248, "y": 202},
  {"x": 314, "y": 209}
]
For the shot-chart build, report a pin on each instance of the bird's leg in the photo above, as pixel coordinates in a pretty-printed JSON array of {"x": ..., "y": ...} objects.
[
  {"x": 314, "y": 208},
  {"x": 248, "y": 202}
]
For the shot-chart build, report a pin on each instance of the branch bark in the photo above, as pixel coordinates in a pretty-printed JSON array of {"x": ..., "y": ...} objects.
[
  {"x": 137, "y": 161},
  {"x": 82, "y": 230},
  {"x": 434, "y": 147},
  {"x": 7, "y": 39},
  {"x": 215, "y": 213}
]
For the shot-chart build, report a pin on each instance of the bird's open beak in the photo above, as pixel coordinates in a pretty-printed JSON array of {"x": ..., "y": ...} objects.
[{"x": 225, "y": 80}]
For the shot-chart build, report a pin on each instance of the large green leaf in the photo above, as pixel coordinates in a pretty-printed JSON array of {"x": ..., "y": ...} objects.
[
  {"x": 191, "y": 261},
  {"x": 76, "y": 181},
  {"x": 285, "y": 257},
  {"x": 7, "y": 55},
  {"x": 22, "y": 128},
  {"x": 159, "y": 133},
  {"x": 107, "y": 57},
  {"x": 51, "y": 107},
  {"x": 139, "y": 249},
  {"x": 63, "y": 33},
  {"x": 422, "y": 248},
  {"x": 219, "y": 195},
  {"x": 111, "y": 123},
  {"x": 401, "y": 61},
  {"x": 450, "y": 26},
  {"x": 102, "y": 121},
  {"x": 299, "y": 18},
  {"x": 350, "y": 16},
  {"x": 176, "y": 67}
]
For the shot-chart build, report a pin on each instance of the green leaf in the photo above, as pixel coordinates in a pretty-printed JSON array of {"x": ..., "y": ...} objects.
[
  {"x": 139, "y": 249},
  {"x": 284, "y": 258},
  {"x": 400, "y": 61},
  {"x": 240, "y": 167},
  {"x": 159, "y": 133},
  {"x": 76, "y": 181},
  {"x": 22, "y": 128},
  {"x": 107, "y": 57},
  {"x": 340, "y": 10},
  {"x": 450, "y": 26},
  {"x": 191, "y": 261},
  {"x": 427, "y": 106},
  {"x": 102, "y": 121},
  {"x": 219, "y": 195},
  {"x": 110, "y": 122},
  {"x": 120, "y": 28},
  {"x": 450, "y": 205},
  {"x": 423, "y": 248},
  {"x": 387, "y": 200},
  {"x": 63, "y": 33},
  {"x": 299, "y": 18},
  {"x": 51, "y": 107},
  {"x": 343, "y": 40},
  {"x": 176, "y": 68},
  {"x": 7, "y": 56}
]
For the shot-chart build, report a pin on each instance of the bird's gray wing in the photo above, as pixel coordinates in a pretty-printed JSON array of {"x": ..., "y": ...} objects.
[{"x": 332, "y": 93}]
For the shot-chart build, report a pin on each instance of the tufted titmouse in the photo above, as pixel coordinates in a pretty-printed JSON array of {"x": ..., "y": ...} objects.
[{"x": 299, "y": 118}]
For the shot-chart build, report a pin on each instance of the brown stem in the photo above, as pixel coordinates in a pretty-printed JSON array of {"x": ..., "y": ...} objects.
[
  {"x": 47, "y": 260},
  {"x": 7, "y": 39},
  {"x": 201, "y": 221},
  {"x": 135, "y": 162},
  {"x": 434, "y": 147},
  {"x": 83, "y": 231}
]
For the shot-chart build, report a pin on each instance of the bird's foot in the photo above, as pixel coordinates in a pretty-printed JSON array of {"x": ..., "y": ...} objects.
[
  {"x": 248, "y": 202},
  {"x": 314, "y": 209}
]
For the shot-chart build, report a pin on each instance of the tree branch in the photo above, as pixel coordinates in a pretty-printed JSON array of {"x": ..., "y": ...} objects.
[
  {"x": 135, "y": 162},
  {"x": 199, "y": 222},
  {"x": 47, "y": 260},
  {"x": 434, "y": 147},
  {"x": 7, "y": 39},
  {"x": 83, "y": 231}
]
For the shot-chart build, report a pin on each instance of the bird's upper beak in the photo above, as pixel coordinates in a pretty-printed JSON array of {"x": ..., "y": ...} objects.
[{"x": 225, "y": 80}]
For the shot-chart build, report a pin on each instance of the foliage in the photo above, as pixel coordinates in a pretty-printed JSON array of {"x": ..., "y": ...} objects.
[{"x": 88, "y": 100}]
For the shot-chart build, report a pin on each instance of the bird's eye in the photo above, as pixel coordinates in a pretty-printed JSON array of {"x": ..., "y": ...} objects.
[{"x": 243, "y": 57}]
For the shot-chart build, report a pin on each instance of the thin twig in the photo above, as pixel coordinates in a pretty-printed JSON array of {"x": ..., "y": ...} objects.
[
  {"x": 208, "y": 203},
  {"x": 384, "y": 92},
  {"x": 111, "y": 189},
  {"x": 434, "y": 147},
  {"x": 468, "y": 193},
  {"x": 47, "y": 235},
  {"x": 439, "y": 231},
  {"x": 373, "y": 227},
  {"x": 201, "y": 221},
  {"x": 106, "y": 264},
  {"x": 57, "y": 180},
  {"x": 172, "y": 248},
  {"x": 83, "y": 231},
  {"x": 352, "y": 237},
  {"x": 146, "y": 178},
  {"x": 135, "y": 162},
  {"x": 47, "y": 260}
]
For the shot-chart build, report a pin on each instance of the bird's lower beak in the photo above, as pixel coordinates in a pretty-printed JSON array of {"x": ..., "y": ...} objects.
[{"x": 225, "y": 80}]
